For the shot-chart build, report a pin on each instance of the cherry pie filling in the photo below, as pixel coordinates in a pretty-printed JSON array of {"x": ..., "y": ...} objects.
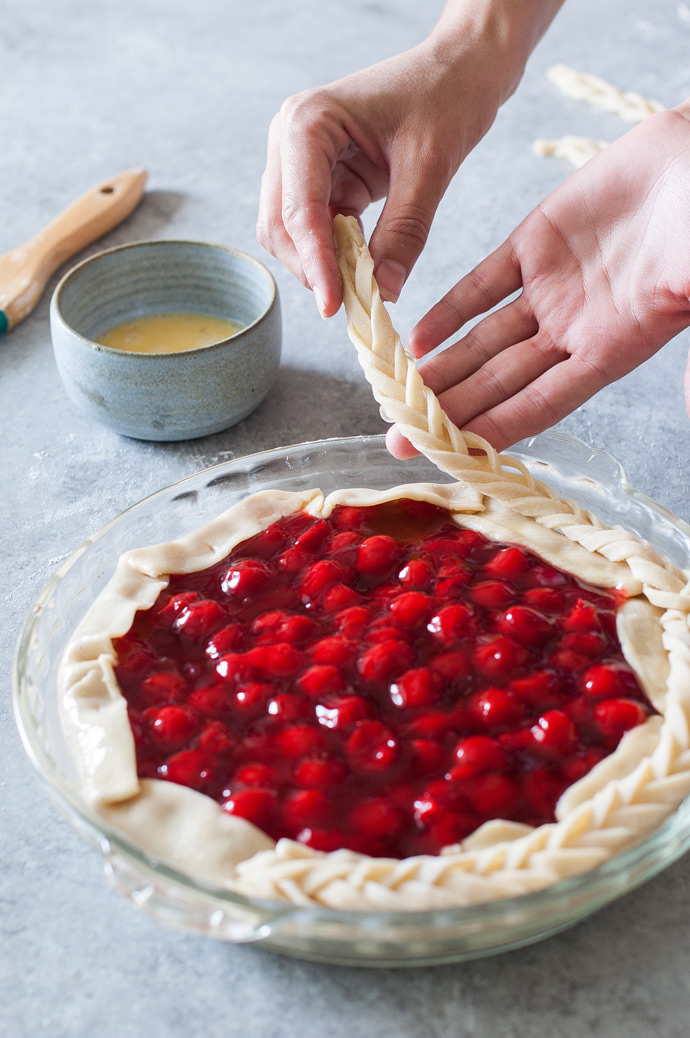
[{"x": 382, "y": 680}]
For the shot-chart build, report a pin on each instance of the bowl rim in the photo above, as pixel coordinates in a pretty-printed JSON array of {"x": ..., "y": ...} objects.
[{"x": 56, "y": 312}]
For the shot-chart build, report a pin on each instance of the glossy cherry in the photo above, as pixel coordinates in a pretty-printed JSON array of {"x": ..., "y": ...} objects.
[{"x": 381, "y": 679}]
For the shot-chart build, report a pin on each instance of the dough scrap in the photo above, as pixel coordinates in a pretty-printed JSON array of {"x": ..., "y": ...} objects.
[
  {"x": 574, "y": 149},
  {"x": 596, "y": 92}
]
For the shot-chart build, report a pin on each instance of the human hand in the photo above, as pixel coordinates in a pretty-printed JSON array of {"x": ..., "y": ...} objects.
[
  {"x": 398, "y": 130},
  {"x": 602, "y": 268}
]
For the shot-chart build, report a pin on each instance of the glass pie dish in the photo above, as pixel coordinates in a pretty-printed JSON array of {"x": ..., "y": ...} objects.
[{"x": 367, "y": 938}]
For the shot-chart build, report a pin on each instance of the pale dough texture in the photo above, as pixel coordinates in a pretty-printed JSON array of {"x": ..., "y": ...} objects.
[
  {"x": 596, "y": 92},
  {"x": 574, "y": 149},
  {"x": 623, "y": 799}
]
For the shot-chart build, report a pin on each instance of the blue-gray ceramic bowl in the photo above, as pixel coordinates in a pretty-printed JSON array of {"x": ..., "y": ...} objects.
[{"x": 167, "y": 396}]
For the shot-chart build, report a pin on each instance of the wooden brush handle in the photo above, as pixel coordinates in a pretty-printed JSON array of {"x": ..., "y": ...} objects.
[{"x": 90, "y": 217}]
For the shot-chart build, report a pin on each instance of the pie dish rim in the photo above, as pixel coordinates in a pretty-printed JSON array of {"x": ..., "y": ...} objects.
[{"x": 650, "y": 855}]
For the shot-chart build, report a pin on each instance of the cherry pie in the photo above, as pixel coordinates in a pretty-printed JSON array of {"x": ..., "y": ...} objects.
[{"x": 434, "y": 695}]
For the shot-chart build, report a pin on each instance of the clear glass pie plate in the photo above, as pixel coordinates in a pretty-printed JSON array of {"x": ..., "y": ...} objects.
[{"x": 366, "y": 938}]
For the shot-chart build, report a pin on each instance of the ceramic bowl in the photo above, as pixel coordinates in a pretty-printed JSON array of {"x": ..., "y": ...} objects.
[{"x": 167, "y": 396}]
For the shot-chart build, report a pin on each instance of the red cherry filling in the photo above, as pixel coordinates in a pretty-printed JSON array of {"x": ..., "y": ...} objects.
[{"x": 381, "y": 680}]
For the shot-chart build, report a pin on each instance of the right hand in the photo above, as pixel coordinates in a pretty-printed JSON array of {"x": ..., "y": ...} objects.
[{"x": 592, "y": 283}]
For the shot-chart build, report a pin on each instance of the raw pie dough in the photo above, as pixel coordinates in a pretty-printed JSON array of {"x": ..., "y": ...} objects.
[
  {"x": 574, "y": 149},
  {"x": 621, "y": 800},
  {"x": 594, "y": 91}
]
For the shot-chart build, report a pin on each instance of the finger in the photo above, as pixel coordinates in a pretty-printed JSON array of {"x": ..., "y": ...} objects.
[
  {"x": 398, "y": 445},
  {"x": 500, "y": 379},
  {"x": 310, "y": 148},
  {"x": 539, "y": 405},
  {"x": 460, "y": 401},
  {"x": 415, "y": 190},
  {"x": 270, "y": 230},
  {"x": 486, "y": 398},
  {"x": 308, "y": 224},
  {"x": 491, "y": 281},
  {"x": 512, "y": 324},
  {"x": 356, "y": 181}
]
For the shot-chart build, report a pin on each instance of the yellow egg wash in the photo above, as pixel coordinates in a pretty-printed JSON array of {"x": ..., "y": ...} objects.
[{"x": 168, "y": 332}]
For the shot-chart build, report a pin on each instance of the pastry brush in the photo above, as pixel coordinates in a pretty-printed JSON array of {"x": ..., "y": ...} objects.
[{"x": 25, "y": 270}]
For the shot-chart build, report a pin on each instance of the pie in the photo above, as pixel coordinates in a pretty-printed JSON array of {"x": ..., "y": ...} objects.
[{"x": 434, "y": 695}]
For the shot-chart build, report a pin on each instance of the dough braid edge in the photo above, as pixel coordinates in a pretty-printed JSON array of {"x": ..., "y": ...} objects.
[{"x": 622, "y": 812}]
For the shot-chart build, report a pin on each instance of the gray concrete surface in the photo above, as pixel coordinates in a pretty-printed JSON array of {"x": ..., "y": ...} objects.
[{"x": 187, "y": 90}]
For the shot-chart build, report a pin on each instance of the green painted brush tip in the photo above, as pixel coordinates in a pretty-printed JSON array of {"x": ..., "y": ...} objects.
[{"x": 4, "y": 322}]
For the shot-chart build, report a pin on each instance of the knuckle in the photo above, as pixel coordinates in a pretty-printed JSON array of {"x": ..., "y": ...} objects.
[
  {"x": 299, "y": 217},
  {"x": 266, "y": 231},
  {"x": 304, "y": 110},
  {"x": 480, "y": 287},
  {"x": 451, "y": 314},
  {"x": 491, "y": 429},
  {"x": 538, "y": 411},
  {"x": 475, "y": 341},
  {"x": 289, "y": 212},
  {"x": 294, "y": 214},
  {"x": 263, "y": 235},
  {"x": 492, "y": 384},
  {"x": 410, "y": 223}
]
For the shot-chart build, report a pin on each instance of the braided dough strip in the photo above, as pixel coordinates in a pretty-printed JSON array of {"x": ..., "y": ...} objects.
[
  {"x": 620, "y": 813},
  {"x": 595, "y": 91},
  {"x": 576, "y": 150},
  {"x": 468, "y": 458},
  {"x": 583, "y": 86}
]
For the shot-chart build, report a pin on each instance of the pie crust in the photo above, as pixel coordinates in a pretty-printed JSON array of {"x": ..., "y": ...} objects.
[{"x": 624, "y": 798}]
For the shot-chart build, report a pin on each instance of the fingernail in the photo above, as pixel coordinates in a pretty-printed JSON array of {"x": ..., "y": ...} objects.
[
  {"x": 390, "y": 277},
  {"x": 320, "y": 302}
]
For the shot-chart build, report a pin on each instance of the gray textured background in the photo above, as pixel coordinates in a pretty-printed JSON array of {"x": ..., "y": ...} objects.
[{"x": 187, "y": 90}]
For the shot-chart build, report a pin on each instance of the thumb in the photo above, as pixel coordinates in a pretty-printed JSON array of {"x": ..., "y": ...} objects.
[{"x": 404, "y": 224}]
